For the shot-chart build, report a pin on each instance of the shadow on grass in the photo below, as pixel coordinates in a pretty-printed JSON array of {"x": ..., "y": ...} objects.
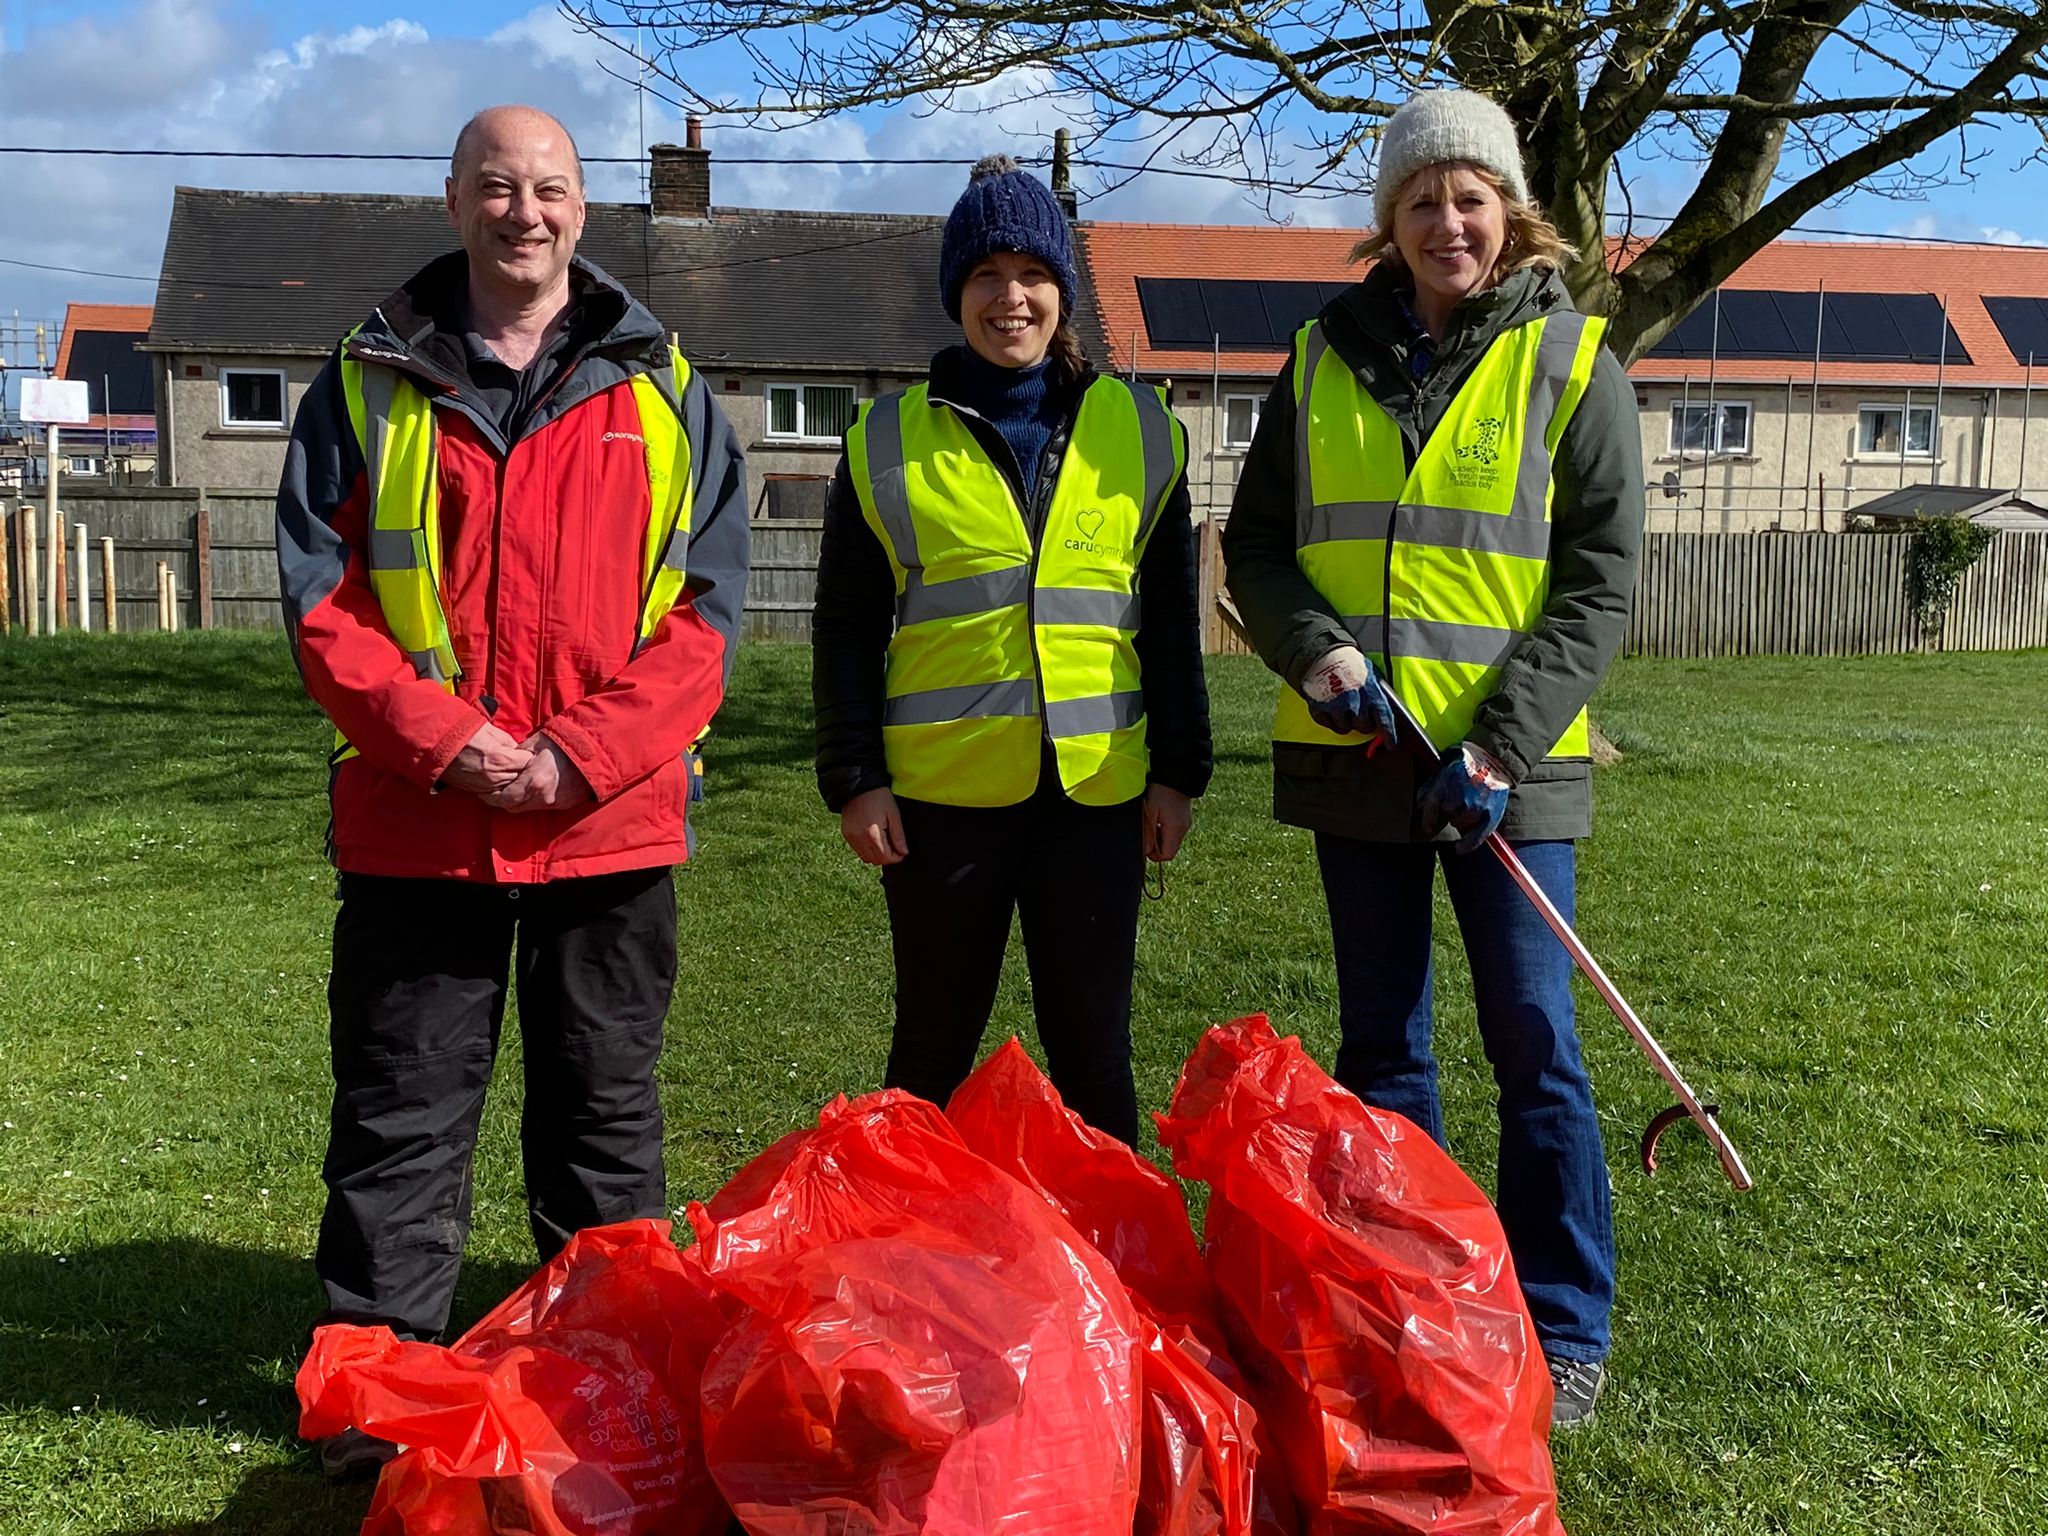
[
  {"x": 278, "y": 1501},
  {"x": 175, "y": 1333}
]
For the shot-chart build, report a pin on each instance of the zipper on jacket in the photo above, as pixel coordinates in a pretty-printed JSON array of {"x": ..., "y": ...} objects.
[{"x": 1032, "y": 512}]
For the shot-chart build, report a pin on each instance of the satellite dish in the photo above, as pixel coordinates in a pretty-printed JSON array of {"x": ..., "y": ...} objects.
[{"x": 1671, "y": 483}]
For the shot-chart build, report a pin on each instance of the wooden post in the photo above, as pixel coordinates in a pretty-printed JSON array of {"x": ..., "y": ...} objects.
[
  {"x": 202, "y": 541},
  {"x": 6, "y": 594},
  {"x": 25, "y": 526},
  {"x": 60, "y": 599},
  {"x": 108, "y": 600},
  {"x": 171, "y": 596},
  {"x": 163, "y": 595},
  {"x": 84, "y": 586}
]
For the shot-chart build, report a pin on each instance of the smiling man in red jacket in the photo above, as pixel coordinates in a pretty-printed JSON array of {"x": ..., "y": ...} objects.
[{"x": 512, "y": 537}]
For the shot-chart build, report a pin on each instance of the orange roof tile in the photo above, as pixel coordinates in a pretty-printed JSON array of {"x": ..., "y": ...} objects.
[{"x": 1118, "y": 254}]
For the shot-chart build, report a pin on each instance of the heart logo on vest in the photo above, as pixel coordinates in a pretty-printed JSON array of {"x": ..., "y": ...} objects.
[{"x": 1091, "y": 524}]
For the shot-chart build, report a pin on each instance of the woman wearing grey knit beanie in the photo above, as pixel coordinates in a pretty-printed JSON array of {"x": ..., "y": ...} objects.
[
  {"x": 1002, "y": 726},
  {"x": 1444, "y": 498}
]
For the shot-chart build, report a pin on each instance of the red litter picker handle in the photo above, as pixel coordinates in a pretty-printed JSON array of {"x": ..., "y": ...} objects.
[{"x": 1688, "y": 1104}]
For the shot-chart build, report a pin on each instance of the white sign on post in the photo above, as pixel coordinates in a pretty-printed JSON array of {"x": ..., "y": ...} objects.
[{"x": 59, "y": 402}]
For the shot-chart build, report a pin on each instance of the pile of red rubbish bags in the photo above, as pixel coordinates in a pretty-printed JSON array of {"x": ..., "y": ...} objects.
[{"x": 996, "y": 1320}]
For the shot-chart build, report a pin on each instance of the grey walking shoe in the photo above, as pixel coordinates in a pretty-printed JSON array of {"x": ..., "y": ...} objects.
[
  {"x": 353, "y": 1457},
  {"x": 1577, "y": 1385}
]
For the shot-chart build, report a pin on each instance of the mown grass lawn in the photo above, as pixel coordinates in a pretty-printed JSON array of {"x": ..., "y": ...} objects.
[{"x": 1820, "y": 881}]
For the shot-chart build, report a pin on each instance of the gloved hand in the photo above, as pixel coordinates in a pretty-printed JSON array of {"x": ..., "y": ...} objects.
[
  {"x": 1469, "y": 791},
  {"x": 1344, "y": 695}
]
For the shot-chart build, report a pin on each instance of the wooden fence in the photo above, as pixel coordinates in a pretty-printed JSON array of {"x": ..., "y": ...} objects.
[
  {"x": 1699, "y": 594},
  {"x": 1790, "y": 594}
]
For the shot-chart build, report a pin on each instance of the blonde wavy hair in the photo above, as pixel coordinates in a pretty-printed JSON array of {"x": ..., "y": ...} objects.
[{"x": 1532, "y": 240}]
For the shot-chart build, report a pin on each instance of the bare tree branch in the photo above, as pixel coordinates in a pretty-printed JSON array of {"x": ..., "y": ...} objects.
[{"x": 1287, "y": 97}]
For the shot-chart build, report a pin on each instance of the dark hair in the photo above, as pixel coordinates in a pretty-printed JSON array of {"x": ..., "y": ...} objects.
[{"x": 1068, "y": 357}]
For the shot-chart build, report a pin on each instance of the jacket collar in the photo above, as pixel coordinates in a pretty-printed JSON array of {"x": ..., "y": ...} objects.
[{"x": 415, "y": 329}]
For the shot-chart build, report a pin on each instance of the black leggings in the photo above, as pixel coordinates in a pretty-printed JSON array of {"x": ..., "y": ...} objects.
[{"x": 1074, "y": 874}]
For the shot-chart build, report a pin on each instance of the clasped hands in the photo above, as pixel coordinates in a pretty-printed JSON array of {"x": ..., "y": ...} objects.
[{"x": 517, "y": 776}]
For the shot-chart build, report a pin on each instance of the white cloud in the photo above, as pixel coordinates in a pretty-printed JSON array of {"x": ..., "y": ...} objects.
[{"x": 2001, "y": 236}]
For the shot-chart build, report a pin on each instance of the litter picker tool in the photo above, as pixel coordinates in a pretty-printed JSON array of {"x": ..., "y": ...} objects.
[{"x": 1688, "y": 1105}]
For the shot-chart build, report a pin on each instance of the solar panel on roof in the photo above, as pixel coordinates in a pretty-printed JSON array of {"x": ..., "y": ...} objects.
[
  {"x": 1751, "y": 322},
  {"x": 2023, "y": 322},
  {"x": 1765, "y": 325},
  {"x": 1289, "y": 306},
  {"x": 1237, "y": 313},
  {"x": 1174, "y": 313}
]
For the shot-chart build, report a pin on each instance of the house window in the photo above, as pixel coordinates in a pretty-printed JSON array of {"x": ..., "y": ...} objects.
[
  {"x": 82, "y": 466},
  {"x": 1240, "y": 419},
  {"x": 817, "y": 412},
  {"x": 252, "y": 397},
  {"x": 1720, "y": 428},
  {"x": 1878, "y": 428}
]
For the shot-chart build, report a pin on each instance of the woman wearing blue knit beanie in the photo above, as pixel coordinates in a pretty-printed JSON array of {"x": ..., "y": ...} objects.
[
  {"x": 1444, "y": 498},
  {"x": 1006, "y": 661}
]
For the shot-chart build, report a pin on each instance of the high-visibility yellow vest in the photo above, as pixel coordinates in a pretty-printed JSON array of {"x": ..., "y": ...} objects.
[
  {"x": 394, "y": 427},
  {"x": 1000, "y": 642},
  {"x": 1440, "y": 570}
]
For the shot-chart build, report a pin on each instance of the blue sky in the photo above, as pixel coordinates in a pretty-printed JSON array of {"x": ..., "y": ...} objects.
[{"x": 400, "y": 75}]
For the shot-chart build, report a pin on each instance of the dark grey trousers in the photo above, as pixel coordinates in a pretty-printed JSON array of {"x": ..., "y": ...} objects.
[{"x": 416, "y": 999}]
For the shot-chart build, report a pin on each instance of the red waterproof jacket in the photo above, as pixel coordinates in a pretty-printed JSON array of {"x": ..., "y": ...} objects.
[{"x": 541, "y": 579}]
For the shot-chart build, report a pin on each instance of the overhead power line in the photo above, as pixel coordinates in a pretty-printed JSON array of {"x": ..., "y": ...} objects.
[{"x": 1194, "y": 173}]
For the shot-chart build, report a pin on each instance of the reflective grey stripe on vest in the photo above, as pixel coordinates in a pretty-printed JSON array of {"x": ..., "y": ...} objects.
[
  {"x": 1556, "y": 352},
  {"x": 1487, "y": 532},
  {"x": 393, "y": 549},
  {"x": 1085, "y": 605},
  {"x": 886, "y": 478},
  {"x": 967, "y": 701},
  {"x": 1439, "y": 640},
  {"x": 428, "y": 665},
  {"x": 1155, "y": 436},
  {"x": 1304, "y": 487},
  {"x": 923, "y": 600},
  {"x": 1093, "y": 716},
  {"x": 1339, "y": 520}
]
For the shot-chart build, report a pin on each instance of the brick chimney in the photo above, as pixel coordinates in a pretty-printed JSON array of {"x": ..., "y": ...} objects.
[{"x": 680, "y": 176}]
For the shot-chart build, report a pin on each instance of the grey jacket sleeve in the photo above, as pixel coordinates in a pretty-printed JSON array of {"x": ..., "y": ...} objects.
[
  {"x": 720, "y": 540},
  {"x": 1596, "y": 544},
  {"x": 1288, "y": 622}
]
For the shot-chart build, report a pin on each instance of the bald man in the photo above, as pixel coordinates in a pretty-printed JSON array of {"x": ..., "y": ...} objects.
[{"x": 512, "y": 540}]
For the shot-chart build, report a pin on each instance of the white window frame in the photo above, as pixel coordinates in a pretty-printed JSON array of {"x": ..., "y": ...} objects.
[
  {"x": 284, "y": 402},
  {"x": 797, "y": 387},
  {"x": 1229, "y": 443},
  {"x": 94, "y": 465},
  {"x": 1675, "y": 441},
  {"x": 1905, "y": 413}
]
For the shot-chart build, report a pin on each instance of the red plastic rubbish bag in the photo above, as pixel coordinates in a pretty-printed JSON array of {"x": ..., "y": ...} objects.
[
  {"x": 1010, "y": 1113},
  {"x": 1370, "y": 1299},
  {"x": 923, "y": 1345},
  {"x": 571, "y": 1410},
  {"x": 1199, "y": 1450},
  {"x": 1198, "y": 1447}
]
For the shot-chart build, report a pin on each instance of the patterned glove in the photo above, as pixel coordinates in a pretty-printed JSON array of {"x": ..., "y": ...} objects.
[
  {"x": 1344, "y": 695},
  {"x": 1469, "y": 792}
]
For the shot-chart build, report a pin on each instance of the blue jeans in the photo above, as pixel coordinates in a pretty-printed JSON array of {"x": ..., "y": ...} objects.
[{"x": 1552, "y": 1182}]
